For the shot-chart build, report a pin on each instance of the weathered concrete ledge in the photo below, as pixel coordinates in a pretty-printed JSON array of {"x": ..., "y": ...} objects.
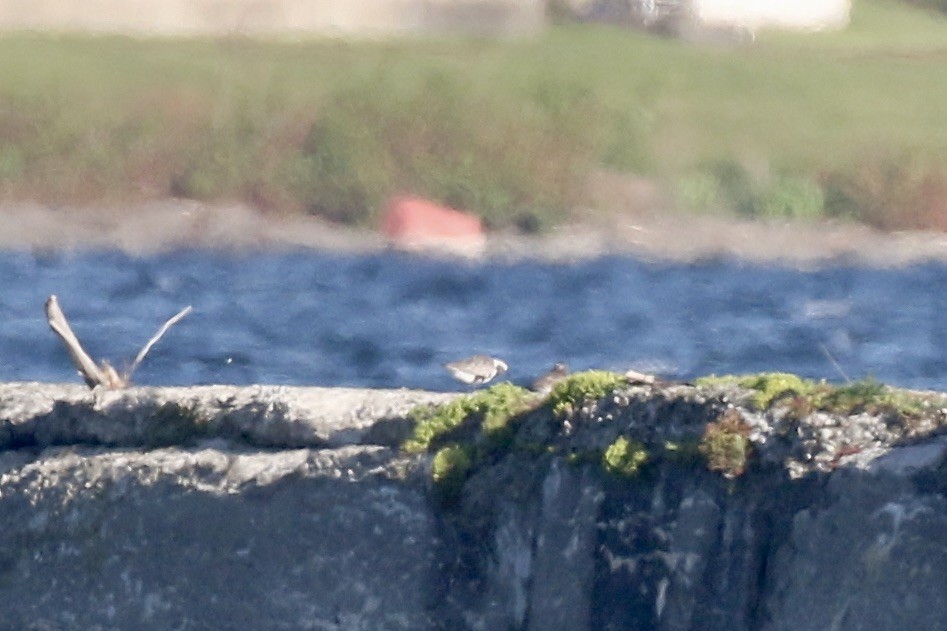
[
  {"x": 281, "y": 417},
  {"x": 294, "y": 508}
]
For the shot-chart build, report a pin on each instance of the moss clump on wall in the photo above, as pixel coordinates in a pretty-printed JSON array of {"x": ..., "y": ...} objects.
[
  {"x": 494, "y": 407},
  {"x": 776, "y": 385},
  {"x": 769, "y": 386},
  {"x": 449, "y": 469},
  {"x": 491, "y": 410},
  {"x": 871, "y": 396},
  {"x": 574, "y": 390},
  {"x": 805, "y": 396},
  {"x": 726, "y": 444},
  {"x": 624, "y": 457},
  {"x": 473, "y": 430},
  {"x": 487, "y": 415}
]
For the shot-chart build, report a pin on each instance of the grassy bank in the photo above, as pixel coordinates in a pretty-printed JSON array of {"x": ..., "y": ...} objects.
[{"x": 795, "y": 125}]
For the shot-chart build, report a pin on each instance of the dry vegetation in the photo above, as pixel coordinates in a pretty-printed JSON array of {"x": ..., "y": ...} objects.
[{"x": 835, "y": 124}]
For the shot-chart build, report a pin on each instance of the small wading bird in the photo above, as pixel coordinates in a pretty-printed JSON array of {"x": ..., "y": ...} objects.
[
  {"x": 477, "y": 369},
  {"x": 545, "y": 383}
]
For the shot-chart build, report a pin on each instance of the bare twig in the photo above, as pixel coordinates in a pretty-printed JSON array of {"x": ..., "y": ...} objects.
[
  {"x": 826, "y": 352},
  {"x": 154, "y": 340},
  {"x": 102, "y": 375}
]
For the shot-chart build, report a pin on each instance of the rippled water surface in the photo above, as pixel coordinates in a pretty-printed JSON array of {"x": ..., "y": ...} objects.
[{"x": 391, "y": 320}]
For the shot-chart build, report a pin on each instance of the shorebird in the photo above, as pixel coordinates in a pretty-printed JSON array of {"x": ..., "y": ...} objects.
[
  {"x": 477, "y": 369},
  {"x": 544, "y": 383}
]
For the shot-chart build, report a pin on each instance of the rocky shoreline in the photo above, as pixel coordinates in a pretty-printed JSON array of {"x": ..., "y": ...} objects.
[
  {"x": 741, "y": 505},
  {"x": 644, "y": 231}
]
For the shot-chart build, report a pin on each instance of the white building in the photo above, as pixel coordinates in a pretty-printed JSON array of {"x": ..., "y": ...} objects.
[{"x": 787, "y": 14}]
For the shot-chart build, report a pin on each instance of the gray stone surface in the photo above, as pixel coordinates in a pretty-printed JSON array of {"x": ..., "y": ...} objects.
[
  {"x": 286, "y": 508},
  {"x": 271, "y": 416},
  {"x": 210, "y": 539},
  {"x": 560, "y": 595},
  {"x": 871, "y": 555}
]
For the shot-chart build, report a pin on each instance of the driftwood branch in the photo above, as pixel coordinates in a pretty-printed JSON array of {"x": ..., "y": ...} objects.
[
  {"x": 154, "y": 340},
  {"x": 102, "y": 375},
  {"x": 92, "y": 374},
  {"x": 635, "y": 377}
]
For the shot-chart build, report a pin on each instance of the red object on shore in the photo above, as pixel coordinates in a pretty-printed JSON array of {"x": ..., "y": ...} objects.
[{"x": 413, "y": 222}]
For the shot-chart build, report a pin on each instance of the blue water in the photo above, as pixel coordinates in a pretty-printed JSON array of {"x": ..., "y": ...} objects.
[{"x": 391, "y": 320}]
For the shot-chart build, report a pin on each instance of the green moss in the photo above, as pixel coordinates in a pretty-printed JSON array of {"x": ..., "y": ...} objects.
[
  {"x": 726, "y": 444},
  {"x": 574, "y": 390},
  {"x": 624, "y": 457},
  {"x": 868, "y": 395},
  {"x": 450, "y": 468},
  {"x": 493, "y": 407},
  {"x": 805, "y": 396},
  {"x": 472, "y": 430},
  {"x": 431, "y": 421},
  {"x": 776, "y": 385},
  {"x": 501, "y": 403},
  {"x": 769, "y": 386}
]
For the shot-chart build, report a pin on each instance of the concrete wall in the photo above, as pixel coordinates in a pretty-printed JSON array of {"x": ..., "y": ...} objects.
[
  {"x": 345, "y": 18},
  {"x": 274, "y": 507}
]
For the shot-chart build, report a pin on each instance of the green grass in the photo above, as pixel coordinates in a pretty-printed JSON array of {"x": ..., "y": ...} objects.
[{"x": 508, "y": 129}]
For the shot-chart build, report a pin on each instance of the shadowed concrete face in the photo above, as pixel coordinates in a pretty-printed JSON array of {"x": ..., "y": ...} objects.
[{"x": 217, "y": 540}]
